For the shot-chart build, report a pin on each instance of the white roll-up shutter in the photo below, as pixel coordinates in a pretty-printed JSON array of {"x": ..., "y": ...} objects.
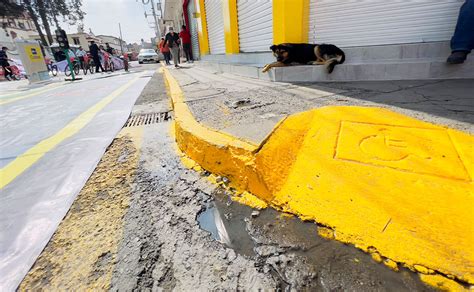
[
  {"x": 215, "y": 26},
  {"x": 255, "y": 18},
  {"x": 193, "y": 30},
  {"x": 379, "y": 22}
]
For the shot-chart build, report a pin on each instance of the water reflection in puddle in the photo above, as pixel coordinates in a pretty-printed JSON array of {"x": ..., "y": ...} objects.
[
  {"x": 226, "y": 224},
  {"x": 211, "y": 221}
]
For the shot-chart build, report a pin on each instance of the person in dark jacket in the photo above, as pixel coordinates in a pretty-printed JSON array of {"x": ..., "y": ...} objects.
[
  {"x": 94, "y": 50},
  {"x": 4, "y": 63},
  {"x": 109, "y": 49},
  {"x": 172, "y": 40}
]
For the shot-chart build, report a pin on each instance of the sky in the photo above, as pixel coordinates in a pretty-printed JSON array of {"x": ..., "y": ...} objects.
[{"x": 103, "y": 17}]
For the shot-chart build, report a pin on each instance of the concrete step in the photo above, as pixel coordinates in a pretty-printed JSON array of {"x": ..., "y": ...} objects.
[
  {"x": 413, "y": 69},
  {"x": 388, "y": 62},
  {"x": 432, "y": 50}
]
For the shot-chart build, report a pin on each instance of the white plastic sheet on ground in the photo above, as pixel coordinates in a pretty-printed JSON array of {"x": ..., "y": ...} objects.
[{"x": 33, "y": 205}]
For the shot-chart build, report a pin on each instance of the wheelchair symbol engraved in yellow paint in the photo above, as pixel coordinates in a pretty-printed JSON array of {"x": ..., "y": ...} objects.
[{"x": 388, "y": 147}]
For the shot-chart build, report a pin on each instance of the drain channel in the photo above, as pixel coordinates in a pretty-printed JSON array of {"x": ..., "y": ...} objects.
[{"x": 148, "y": 119}]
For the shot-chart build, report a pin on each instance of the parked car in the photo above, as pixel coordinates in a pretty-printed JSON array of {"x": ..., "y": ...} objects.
[{"x": 148, "y": 55}]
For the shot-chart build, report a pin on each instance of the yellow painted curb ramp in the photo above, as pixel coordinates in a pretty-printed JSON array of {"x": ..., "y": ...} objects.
[{"x": 391, "y": 185}]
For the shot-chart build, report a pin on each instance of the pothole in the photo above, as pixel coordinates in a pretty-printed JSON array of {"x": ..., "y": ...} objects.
[
  {"x": 226, "y": 223},
  {"x": 292, "y": 250}
]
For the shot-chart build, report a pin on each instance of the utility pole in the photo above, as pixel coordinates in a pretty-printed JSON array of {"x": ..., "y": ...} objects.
[
  {"x": 121, "y": 39},
  {"x": 153, "y": 12}
]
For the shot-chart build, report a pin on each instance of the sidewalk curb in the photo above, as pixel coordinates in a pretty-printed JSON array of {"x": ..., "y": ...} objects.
[
  {"x": 277, "y": 172},
  {"x": 223, "y": 154}
]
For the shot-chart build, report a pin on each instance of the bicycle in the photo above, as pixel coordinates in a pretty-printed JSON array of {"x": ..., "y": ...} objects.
[
  {"x": 87, "y": 65},
  {"x": 13, "y": 70},
  {"x": 109, "y": 65},
  {"x": 76, "y": 67},
  {"x": 14, "y": 74}
]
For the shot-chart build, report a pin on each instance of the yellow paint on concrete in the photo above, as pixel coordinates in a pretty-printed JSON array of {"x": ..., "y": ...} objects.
[
  {"x": 231, "y": 28},
  {"x": 391, "y": 185},
  {"x": 384, "y": 180},
  {"x": 391, "y": 264},
  {"x": 248, "y": 199},
  {"x": 27, "y": 159},
  {"x": 5, "y": 99},
  {"x": 442, "y": 283},
  {"x": 81, "y": 255},
  {"x": 290, "y": 21},
  {"x": 210, "y": 148},
  {"x": 202, "y": 27},
  {"x": 325, "y": 232}
]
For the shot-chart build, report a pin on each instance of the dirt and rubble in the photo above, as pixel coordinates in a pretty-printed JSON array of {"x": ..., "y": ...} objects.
[{"x": 81, "y": 253}]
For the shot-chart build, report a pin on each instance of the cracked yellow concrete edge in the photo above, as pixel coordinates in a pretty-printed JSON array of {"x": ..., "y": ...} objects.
[{"x": 320, "y": 165}]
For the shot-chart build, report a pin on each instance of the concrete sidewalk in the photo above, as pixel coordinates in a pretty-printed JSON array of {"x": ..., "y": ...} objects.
[
  {"x": 250, "y": 108},
  {"x": 375, "y": 163}
]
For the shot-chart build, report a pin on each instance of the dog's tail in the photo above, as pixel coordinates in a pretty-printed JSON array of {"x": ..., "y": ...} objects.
[{"x": 331, "y": 63}]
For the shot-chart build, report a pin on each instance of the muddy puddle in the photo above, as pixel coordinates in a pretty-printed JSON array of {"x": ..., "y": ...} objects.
[
  {"x": 226, "y": 223},
  {"x": 292, "y": 250}
]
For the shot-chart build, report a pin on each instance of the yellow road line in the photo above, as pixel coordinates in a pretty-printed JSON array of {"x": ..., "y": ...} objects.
[
  {"x": 9, "y": 100},
  {"x": 27, "y": 159}
]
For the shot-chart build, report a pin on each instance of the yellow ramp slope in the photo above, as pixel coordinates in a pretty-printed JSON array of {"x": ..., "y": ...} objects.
[{"x": 381, "y": 181}]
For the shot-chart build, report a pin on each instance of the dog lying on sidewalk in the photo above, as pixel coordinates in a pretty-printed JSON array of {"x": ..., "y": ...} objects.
[{"x": 306, "y": 54}]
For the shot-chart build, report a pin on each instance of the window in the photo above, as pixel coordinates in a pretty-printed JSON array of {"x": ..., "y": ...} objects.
[
  {"x": 76, "y": 41},
  {"x": 21, "y": 25}
]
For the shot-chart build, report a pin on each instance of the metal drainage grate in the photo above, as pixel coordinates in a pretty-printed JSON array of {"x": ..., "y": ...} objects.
[{"x": 148, "y": 119}]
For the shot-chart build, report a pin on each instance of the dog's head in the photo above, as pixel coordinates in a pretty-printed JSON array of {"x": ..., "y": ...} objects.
[{"x": 281, "y": 52}]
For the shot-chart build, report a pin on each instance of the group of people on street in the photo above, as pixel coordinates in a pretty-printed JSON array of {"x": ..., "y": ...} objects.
[
  {"x": 99, "y": 53},
  {"x": 170, "y": 45}
]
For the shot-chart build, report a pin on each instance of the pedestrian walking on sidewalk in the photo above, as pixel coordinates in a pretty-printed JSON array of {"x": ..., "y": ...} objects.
[
  {"x": 94, "y": 50},
  {"x": 462, "y": 41},
  {"x": 4, "y": 63},
  {"x": 172, "y": 40},
  {"x": 186, "y": 41},
  {"x": 165, "y": 50}
]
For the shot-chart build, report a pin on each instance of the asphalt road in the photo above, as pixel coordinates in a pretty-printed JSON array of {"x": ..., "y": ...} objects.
[{"x": 52, "y": 137}]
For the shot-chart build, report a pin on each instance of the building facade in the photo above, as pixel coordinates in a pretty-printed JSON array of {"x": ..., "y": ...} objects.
[
  {"x": 15, "y": 28},
  {"x": 115, "y": 42},
  {"x": 249, "y": 26}
]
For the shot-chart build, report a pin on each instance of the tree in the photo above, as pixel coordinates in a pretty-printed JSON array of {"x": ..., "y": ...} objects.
[
  {"x": 29, "y": 7},
  {"x": 48, "y": 11},
  {"x": 8, "y": 8},
  {"x": 42, "y": 10},
  {"x": 70, "y": 10}
]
